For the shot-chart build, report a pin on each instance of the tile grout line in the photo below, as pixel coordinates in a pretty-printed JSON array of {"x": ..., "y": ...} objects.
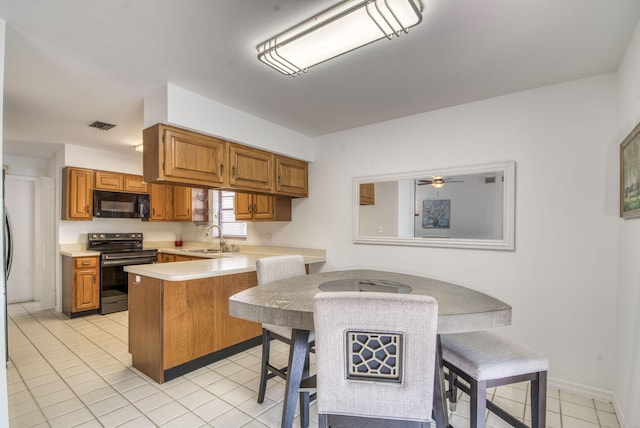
[
  {"x": 53, "y": 334},
  {"x": 98, "y": 325}
]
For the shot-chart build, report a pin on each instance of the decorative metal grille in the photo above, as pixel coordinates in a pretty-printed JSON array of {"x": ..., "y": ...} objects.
[{"x": 374, "y": 356}]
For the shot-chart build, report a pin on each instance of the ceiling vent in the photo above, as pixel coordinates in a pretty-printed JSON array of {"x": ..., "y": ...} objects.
[{"x": 103, "y": 126}]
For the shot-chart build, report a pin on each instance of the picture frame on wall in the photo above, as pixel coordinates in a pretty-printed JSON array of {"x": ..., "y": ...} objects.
[
  {"x": 630, "y": 174},
  {"x": 436, "y": 213}
]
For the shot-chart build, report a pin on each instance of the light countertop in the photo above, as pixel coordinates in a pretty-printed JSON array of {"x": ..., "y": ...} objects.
[
  {"x": 225, "y": 264},
  {"x": 210, "y": 264}
]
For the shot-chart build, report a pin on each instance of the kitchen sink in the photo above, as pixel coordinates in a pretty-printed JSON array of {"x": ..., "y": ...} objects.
[
  {"x": 207, "y": 251},
  {"x": 202, "y": 250}
]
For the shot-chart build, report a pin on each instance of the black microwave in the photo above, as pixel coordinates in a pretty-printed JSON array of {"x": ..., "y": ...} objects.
[{"x": 120, "y": 205}]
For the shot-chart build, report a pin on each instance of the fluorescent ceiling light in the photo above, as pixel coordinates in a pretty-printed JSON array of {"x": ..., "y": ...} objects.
[{"x": 337, "y": 30}]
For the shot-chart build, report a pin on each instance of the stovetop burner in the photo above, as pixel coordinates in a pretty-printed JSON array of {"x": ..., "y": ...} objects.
[{"x": 114, "y": 242}]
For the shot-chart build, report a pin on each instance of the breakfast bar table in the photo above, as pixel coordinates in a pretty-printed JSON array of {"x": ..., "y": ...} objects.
[{"x": 289, "y": 302}]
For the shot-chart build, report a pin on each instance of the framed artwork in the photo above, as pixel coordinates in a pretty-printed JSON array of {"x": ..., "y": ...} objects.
[
  {"x": 436, "y": 213},
  {"x": 630, "y": 175}
]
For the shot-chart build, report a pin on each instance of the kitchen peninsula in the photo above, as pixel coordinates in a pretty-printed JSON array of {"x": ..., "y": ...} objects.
[{"x": 179, "y": 312}]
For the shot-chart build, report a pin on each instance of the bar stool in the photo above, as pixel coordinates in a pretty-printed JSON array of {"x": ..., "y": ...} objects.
[
  {"x": 270, "y": 269},
  {"x": 485, "y": 360},
  {"x": 375, "y": 359}
]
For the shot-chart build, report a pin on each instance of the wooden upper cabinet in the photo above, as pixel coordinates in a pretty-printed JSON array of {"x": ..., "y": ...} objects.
[
  {"x": 250, "y": 169},
  {"x": 367, "y": 194},
  {"x": 249, "y": 207},
  {"x": 292, "y": 177},
  {"x": 182, "y": 203},
  {"x": 77, "y": 203},
  {"x": 135, "y": 184},
  {"x": 118, "y": 182},
  {"x": 109, "y": 181},
  {"x": 180, "y": 156},
  {"x": 177, "y": 156},
  {"x": 161, "y": 198}
]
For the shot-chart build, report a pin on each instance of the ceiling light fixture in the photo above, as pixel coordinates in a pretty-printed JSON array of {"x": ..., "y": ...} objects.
[
  {"x": 342, "y": 28},
  {"x": 139, "y": 148}
]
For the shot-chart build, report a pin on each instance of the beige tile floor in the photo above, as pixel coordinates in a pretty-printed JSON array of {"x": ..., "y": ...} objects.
[{"x": 77, "y": 373}]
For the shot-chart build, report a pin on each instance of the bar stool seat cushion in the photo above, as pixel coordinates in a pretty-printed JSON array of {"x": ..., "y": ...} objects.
[
  {"x": 286, "y": 331},
  {"x": 485, "y": 355}
]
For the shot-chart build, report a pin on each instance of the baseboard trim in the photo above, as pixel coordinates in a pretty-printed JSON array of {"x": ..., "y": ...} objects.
[{"x": 591, "y": 392}]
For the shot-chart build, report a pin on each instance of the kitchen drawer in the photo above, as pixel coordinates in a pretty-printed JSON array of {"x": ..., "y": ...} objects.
[{"x": 85, "y": 262}]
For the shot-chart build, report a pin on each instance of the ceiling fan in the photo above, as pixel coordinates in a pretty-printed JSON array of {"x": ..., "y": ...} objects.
[{"x": 437, "y": 181}]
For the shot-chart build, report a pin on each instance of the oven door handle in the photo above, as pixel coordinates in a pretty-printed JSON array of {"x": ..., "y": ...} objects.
[{"x": 127, "y": 262}]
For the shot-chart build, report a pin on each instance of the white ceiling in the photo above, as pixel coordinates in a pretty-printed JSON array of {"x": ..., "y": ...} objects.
[{"x": 70, "y": 62}]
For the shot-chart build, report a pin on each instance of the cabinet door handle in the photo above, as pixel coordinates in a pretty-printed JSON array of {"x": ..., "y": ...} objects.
[
  {"x": 94, "y": 279},
  {"x": 153, "y": 211},
  {"x": 278, "y": 180},
  {"x": 86, "y": 209},
  {"x": 233, "y": 171},
  {"x": 221, "y": 168},
  {"x": 85, "y": 263}
]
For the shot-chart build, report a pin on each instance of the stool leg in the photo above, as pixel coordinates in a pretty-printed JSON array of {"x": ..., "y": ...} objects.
[
  {"x": 264, "y": 371},
  {"x": 453, "y": 390},
  {"x": 304, "y": 396},
  {"x": 478, "y": 400},
  {"x": 539, "y": 400}
]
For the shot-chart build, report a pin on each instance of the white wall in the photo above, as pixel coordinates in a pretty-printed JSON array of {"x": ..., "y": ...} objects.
[
  {"x": 74, "y": 232},
  {"x": 560, "y": 280},
  {"x": 180, "y": 107},
  {"x": 627, "y": 380}
]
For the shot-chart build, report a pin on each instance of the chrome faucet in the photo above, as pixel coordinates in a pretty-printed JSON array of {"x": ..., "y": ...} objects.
[{"x": 222, "y": 242}]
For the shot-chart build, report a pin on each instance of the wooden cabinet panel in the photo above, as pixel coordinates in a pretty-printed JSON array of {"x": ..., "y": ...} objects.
[
  {"x": 145, "y": 325},
  {"x": 135, "y": 184},
  {"x": 250, "y": 207},
  {"x": 166, "y": 258},
  {"x": 77, "y": 203},
  {"x": 175, "y": 322},
  {"x": 80, "y": 285},
  {"x": 118, "y": 182},
  {"x": 161, "y": 197},
  {"x": 292, "y": 177},
  {"x": 263, "y": 207},
  {"x": 236, "y": 330},
  {"x": 86, "y": 290},
  {"x": 251, "y": 169},
  {"x": 180, "y": 156},
  {"x": 109, "y": 181},
  {"x": 189, "y": 332},
  {"x": 367, "y": 194},
  {"x": 243, "y": 206},
  {"x": 182, "y": 203}
]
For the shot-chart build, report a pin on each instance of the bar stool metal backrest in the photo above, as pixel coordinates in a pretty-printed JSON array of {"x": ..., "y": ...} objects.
[{"x": 375, "y": 358}]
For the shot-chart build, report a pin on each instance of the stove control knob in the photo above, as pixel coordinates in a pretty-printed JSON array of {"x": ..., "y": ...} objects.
[
  {"x": 102, "y": 236},
  {"x": 94, "y": 236},
  {"x": 139, "y": 235}
]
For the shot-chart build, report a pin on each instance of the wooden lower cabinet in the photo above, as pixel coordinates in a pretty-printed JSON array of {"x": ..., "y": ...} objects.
[
  {"x": 80, "y": 285},
  {"x": 172, "y": 324},
  {"x": 166, "y": 258}
]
